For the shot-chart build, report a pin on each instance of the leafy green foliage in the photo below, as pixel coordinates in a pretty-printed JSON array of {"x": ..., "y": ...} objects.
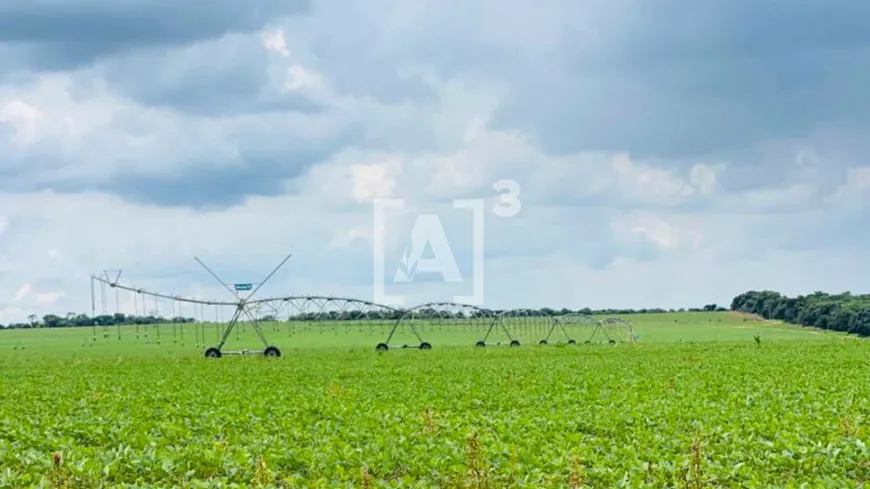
[
  {"x": 838, "y": 312},
  {"x": 738, "y": 413}
]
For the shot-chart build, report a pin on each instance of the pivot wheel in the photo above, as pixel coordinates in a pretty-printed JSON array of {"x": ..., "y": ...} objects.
[
  {"x": 382, "y": 347},
  {"x": 212, "y": 353},
  {"x": 480, "y": 344},
  {"x": 572, "y": 342},
  {"x": 272, "y": 352},
  {"x": 542, "y": 342},
  {"x": 515, "y": 343},
  {"x": 425, "y": 346}
]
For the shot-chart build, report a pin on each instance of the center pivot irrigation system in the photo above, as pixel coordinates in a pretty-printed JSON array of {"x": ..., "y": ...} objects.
[
  {"x": 304, "y": 316},
  {"x": 243, "y": 307}
]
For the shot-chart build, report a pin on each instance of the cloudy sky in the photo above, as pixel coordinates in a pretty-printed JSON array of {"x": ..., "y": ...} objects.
[{"x": 670, "y": 156}]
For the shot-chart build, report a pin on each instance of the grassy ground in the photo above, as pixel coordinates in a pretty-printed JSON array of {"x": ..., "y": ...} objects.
[
  {"x": 696, "y": 403},
  {"x": 650, "y": 328}
]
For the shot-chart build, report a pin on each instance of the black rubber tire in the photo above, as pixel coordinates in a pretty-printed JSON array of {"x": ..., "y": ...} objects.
[
  {"x": 612, "y": 342},
  {"x": 425, "y": 346},
  {"x": 572, "y": 342},
  {"x": 212, "y": 353},
  {"x": 515, "y": 343},
  {"x": 382, "y": 347},
  {"x": 272, "y": 352},
  {"x": 542, "y": 342},
  {"x": 480, "y": 344}
]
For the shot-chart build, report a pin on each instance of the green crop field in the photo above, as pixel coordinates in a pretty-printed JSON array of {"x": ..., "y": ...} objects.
[
  {"x": 702, "y": 400},
  {"x": 130, "y": 340}
]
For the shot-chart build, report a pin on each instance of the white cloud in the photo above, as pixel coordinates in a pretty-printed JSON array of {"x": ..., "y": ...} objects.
[
  {"x": 703, "y": 178},
  {"x": 375, "y": 180},
  {"x": 45, "y": 299},
  {"x": 275, "y": 41},
  {"x": 665, "y": 235},
  {"x": 855, "y": 191},
  {"x": 299, "y": 78},
  {"x": 638, "y": 188},
  {"x": 352, "y": 237},
  {"x": 24, "y": 118},
  {"x": 22, "y": 292},
  {"x": 12, "y": 315}
]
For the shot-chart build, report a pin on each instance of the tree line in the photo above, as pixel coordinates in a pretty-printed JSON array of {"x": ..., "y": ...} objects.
[
  {"x": 844, "y": 312},
  {"x": 71, "y": 319}
]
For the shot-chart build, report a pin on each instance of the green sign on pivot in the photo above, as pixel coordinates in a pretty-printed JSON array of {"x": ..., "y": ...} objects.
[{"x": 243, "y": 286}]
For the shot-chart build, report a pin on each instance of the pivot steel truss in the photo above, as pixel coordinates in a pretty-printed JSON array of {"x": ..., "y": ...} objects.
[
  {"x": 242, "y": 306},
  {"x": 243, "y": 313},
  {"x": 404, "y": 328}
]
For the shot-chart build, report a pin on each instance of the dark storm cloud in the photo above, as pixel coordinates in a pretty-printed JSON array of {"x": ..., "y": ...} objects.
[
  {"x": 674, "y": 80},
  {"x": 225, "y": 76},
  {"x": 687, "y": 79},
  {"x": 265, "y": 166},
  {"x": 353, "y": 46},
  {"x": 262, "y": 167},
  {"x": 671, "y": 82},
  {"x": 43, "y": 35},
  {"x": 48, "y": 56},
  {"x": 638, "y": 111},
  {"x": 204, "y": 186}
]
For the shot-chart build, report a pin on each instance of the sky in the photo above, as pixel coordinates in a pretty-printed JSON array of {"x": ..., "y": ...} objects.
[{"x": 661, "y": 157}]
